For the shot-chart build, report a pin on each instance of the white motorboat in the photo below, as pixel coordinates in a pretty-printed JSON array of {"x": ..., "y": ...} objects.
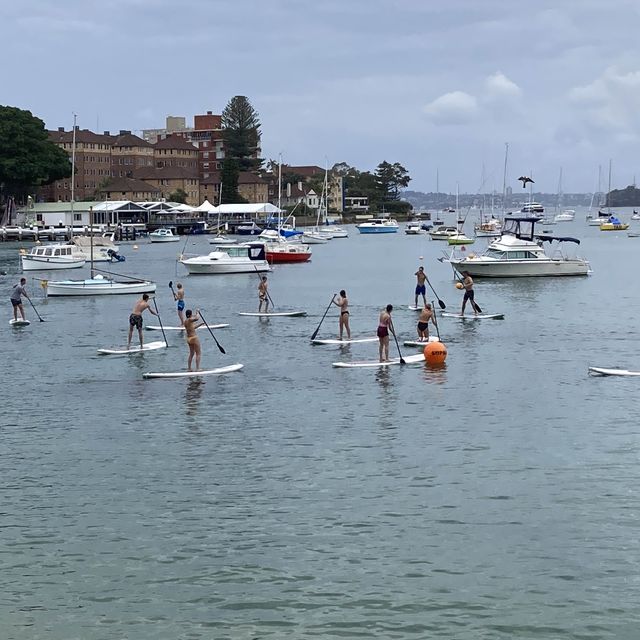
[
  {"x": 566, "y": 216},
  {"x": 635, "y": 215},
  {"x": 51, "y": 256},
  {"x": 220, "y": 239},
  {"x": 98, "y": 285},
  {"x": 532, "y": 207},
  {"x": 519, "y": 253},
  {"x": 378, "y": 225},
  {"x": 338, "y": 232},
  {"x": 443, "y": 233},
  {"x": 314, "y": 237},
  {"x": 163, "y": 235},
  {"x": 413, "y": 228},
  {"x": 248, "y": 257}
]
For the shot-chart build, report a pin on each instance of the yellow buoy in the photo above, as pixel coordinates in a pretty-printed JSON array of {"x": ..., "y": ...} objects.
[
  {"x": 459, "y": 285},
  {"x": 435, "y": 353}
]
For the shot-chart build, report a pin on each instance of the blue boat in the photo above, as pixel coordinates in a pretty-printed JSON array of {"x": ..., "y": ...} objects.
[{"x": 378, "y": 225}]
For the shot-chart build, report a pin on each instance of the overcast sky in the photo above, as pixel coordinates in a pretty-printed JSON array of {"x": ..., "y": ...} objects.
[{"x": 435, "y": 85}]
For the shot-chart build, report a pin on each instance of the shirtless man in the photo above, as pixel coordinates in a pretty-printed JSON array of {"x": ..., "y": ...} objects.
[
  {"x": 263, "y": 295},
  {"x": 343, "y": 303},
  {"x": 135, "y": 319},
  {"x": 421, "y": 289},
  {"x": 190, "y": 326},
  {"x": 178, "y": 296},
  {"x": 467, "y": 283},
  {"x": 383, "y": 333},
  {"x": 423, "y": 322},
  {"x": 16, "y": 299}
]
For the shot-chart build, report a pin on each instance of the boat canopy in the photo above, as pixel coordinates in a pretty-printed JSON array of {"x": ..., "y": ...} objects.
[
  {"x": 557, "y": 239},
  {"x": 520, "y": 226}
]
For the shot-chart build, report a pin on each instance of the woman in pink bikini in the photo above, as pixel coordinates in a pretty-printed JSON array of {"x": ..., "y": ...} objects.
[{"x": 383, "y": 332}]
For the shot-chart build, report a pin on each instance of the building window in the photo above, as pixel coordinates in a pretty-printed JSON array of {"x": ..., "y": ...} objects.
[{"x": 77, "y": 217}]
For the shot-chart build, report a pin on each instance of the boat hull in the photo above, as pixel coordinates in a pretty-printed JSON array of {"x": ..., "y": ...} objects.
[
  {"x": 377, "y": 229},
  {"x": 164, "y": 238},
  {"x": 49, "y": 264},
  {"x": 94, "y": 287},
  {"x": 283, "y": 257},
  {"x": 221, "y": 268},
  {"x": 522, "y": 268}
]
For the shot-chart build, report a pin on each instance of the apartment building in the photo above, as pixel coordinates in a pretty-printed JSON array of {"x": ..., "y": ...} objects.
[{"x": 128, "y": 153}]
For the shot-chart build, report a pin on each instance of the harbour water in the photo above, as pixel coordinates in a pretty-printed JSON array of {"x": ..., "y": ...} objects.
[{"x": 493, "y": 498}]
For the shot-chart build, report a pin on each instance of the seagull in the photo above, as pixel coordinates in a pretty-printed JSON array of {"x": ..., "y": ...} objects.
[{"x": 524, "y": 181}]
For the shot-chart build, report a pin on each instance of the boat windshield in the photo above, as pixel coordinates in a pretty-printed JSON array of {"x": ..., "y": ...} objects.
[{"x": 495, "y": 254}]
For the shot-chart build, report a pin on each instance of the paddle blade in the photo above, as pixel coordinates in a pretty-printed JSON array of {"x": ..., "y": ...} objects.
[
  {"x": 442, "y": 304},
  {"x": 221, "y": 348},
  {"x": 170, "y": 284}
]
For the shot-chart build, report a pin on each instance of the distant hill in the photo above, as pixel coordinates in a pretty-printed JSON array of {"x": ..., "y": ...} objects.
[{"x": 629, "y": 197}]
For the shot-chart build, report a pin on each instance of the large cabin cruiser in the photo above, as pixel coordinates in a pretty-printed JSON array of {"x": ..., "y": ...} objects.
[
  {"x": 532, "y": 207},
  {"x": 520, "y": 253}
]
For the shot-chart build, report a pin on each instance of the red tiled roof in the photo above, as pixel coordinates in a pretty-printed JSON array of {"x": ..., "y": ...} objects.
[
  {"x": 304, "y": 170},
  {"x": 174, "y": 142},
  {"x": 127, "y": 184},
  {"x": 129, "y": 140},
  {"x": 82, "y": 135}
]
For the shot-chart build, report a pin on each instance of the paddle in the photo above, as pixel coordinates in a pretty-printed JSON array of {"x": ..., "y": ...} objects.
[
  {"x": 395, "y": 337},
  {"x": 171, "y": 287},
  {"x": 435, "y": 320},
  {"x": 315, "y": 333},
  {"x": 34, "y": 308},
  {"x": 211, "y": 332},
  {"x": 440, "y": 302},
  {"x": 155, "y": 304}
]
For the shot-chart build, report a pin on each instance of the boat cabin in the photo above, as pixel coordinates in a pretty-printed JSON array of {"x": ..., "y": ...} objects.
[
  {"x": 52, "y": 251},
  {"x": 253, "y": 250}
]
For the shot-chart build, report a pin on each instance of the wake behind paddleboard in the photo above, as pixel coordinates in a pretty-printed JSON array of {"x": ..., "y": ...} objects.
[
  {"x": 19, "y": 323},
  {"x": 480, "y": 316},
  {"x": 599, "y": 371},
  {"x": 154, "y": 327},
  {"x": 374, "y": 363},
  {"x": 150, "y": 346},
  {"x": 274, "y": 314},
  {"x": 192, "y": 374},
  {"x": 336, "y": 341}
]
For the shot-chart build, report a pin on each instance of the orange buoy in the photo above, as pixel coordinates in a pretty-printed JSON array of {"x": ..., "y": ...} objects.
[
  {"x": 435, "y": 353},
  {"x": 459, "y": 285}
]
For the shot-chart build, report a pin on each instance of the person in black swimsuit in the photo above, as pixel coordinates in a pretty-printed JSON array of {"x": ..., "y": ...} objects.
[
  {"x": 423, "y": 322},
  {"x": 343, "y": 303}
]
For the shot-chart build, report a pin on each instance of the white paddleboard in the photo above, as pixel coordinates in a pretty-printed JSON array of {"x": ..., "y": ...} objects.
[
  {"x": 150, "y": 346},
  {"x": 274, "y": 314},
  {"x": 374, "y": 363},
  {"x": 154, "y": 327},
  {"x": 420, "y": 343},
  {"x": 471, "y": 316},
  {"x": 414, "y": 308},
  {"x": 192, "y": 374},
  {"x": 336, "y": 341},
  {"x": 19, "y": 323},
  {"x": 613, "y": 372}
]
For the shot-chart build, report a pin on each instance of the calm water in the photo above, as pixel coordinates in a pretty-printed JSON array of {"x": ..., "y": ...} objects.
[{"x": 494, "y": 498}]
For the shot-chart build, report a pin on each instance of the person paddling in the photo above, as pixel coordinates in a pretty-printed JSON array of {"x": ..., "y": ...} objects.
[
  {"x": 263, "y": 295},
  {"x": 178, "y": 296},
  {"x": 384, "y": 324},
  {"x": 421, "y": 289},
  {"x": 343, "y": 321},
  {"x": 190, "y": 327},
  {"x": 135, "y": 319},
  {"x": 467, "y": 284},
  {"x": 16, "y": 298},
  {"x": 426, "y": 315}
]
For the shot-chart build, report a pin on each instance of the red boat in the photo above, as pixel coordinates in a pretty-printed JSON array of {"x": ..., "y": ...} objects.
[{"x": 282, "y": 252}]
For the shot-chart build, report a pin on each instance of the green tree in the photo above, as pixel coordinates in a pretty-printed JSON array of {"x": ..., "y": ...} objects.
[
  {"x": 241, "y": 131},
  {"x": 390, "y": 178},
  {"x": 229, "y": 182},
  {"x": 179, "y": 195},
  {"x": 28, "y": 159}
]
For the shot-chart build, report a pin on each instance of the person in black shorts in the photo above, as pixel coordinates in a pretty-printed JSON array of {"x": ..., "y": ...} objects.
[
  {"x": 467, "y": 284},
  {"x": 16, "y": 298},
  {"x": 343, "y": 322},
  {"x": 135, "y": 319}
]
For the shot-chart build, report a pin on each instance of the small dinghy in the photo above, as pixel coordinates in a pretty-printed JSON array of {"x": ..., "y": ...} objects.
[
  {"x": 194, "y": 374},
  {"x": 150, "y": 346},
  {"x": 274, "y": 314},
  {"x": 480, "y": 316},
  {"x": 375, "y": 363}
]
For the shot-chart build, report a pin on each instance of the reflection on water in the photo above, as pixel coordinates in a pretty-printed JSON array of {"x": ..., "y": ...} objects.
[{"x": 192, "y": 395}]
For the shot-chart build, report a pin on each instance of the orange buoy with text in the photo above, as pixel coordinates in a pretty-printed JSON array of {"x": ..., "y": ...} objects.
[{"x": 435, "y": 353}]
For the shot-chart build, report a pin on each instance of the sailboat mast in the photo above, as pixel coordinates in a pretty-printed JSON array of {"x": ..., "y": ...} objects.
[
  {"x": 609, "y": 190},
  {"x": 279, "y": 191},
  {"x": 504, "y": 179},
  {"x": 73, "y": 172},
  {"x": 91, "y": 239}
]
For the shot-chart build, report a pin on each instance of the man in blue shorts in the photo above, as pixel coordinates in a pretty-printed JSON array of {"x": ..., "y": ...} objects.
[
  {"x": 178, "y": 296},
  {"x": 421, "y": 289}
]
